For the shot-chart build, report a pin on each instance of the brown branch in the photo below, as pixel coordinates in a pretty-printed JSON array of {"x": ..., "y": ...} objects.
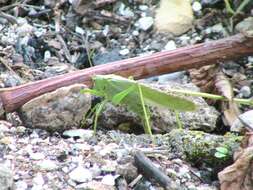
[{"x": 139, "y": 67}]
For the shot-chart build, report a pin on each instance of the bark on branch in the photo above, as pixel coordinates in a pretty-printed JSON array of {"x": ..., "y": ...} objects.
[{"x": 184, "y": 58}]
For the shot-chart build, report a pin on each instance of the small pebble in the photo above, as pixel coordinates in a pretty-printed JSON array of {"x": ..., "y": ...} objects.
[
  {"x": 21, "y": 185},
  {"x": 250, "y": 59},
  {"x": 80, "y": 175},
  {"x": 247, "y": 117},
  {"x": 106, "y": 30},
  {"x": 36, "y": 156},
  {"x": 125, "y": 11},
  {"x": 196, "y": 6},
  {"x": 20, "y": 129},
  {"x": 79, "y": 30},
  {"x": 145, "y": 23},
  {"x": 108, "y": 180},
  {"x": 245, "y": 91},
  {"x": 143, "y": 7},
  {"x": 81, "y": 133},
  {"x": 171, "y": 45},
  {"x": 47, "y": 55},
  {"x": 38, "y": 180},
  {"x": 47, "y": 165},
  {"x": 124, "y": 52},
  {"x": 135, "y": 33}
]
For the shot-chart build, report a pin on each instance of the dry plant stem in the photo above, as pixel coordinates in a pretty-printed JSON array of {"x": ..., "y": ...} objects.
[
  {"x": 150, "y": 171},
  {"x": 139, "y": 67}
]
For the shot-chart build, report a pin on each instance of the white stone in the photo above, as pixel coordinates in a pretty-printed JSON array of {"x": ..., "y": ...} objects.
[
  {"x": 40, "y": 32},
  {"x": 81, "y": 133},
  {"x": 47, "y": 55},
  {"x": 25, "y": 29},
  {"x": 124, "y": 51},
  {"x": 135, "y": 33},
  {"x": 108, "y": 180},
  {"x": 143, "y": 7},
  {"x": 21, "y": 20},
  {"x": 125, "y": 11},
  {"x": 21, "y": 185},
  {"x": 196, "y": 6},
  {"x": 38, "y": 180},
  {"x": 47, "y": 165},
  {"x": 80, "y": 175},
  {"x": 4, "y": 128},
  {"x": 171, "y": 45},
  {"x": 106, "y": 30},
  {"x": 79, "y": 30},
  {"x": 245, "y": 91},
  {"x": 250, "y": 59},
  {"x": 247, "y": 117},
  {"x": 36, "y": 156},
  {"x": 145, "y": 23}
]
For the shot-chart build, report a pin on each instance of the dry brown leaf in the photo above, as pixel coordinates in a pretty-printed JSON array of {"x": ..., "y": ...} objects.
[
  {"x": 224, "y": 86},
  {"x": 239, "y": 176},
  {"x": 210, "y": 79},
  {"x": 230, "y": 109},
  {"x": 204, "y": 77}
]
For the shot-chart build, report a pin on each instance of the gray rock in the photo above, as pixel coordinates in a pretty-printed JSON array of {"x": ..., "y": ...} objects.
[
  {"x": 57, "y": 111},
  {"x": 6, "y": 177},
  {"x": 128, "y": 171},
  {"x": 245, "y": 92},
  {"x": 176, "y": 76},
  {"x": 10, "y": 80},
  {"x": 56, "y": 69},
  {"x": 245, "y": 121},
  {"x": 164, "y": 120},
  {"x": 80, "y": 175},
  {"x": 107, "y": 57},
  {"x": 245, "y": 25}
]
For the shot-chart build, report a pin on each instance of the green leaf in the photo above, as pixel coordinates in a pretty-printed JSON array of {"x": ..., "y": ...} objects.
[
  {"x": 219, "y": 155},
  {"x": 222, "y": 150}
]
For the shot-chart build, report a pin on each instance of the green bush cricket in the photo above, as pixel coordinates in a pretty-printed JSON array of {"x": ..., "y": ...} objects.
[{"x": 136, "y": 96}]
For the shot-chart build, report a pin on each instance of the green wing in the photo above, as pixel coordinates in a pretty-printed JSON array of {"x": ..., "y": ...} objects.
[
  {"x": 114, "y": 84},
  {"x": 160, "y": 98}
]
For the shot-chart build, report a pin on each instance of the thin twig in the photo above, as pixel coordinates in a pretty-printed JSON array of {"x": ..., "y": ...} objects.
[{"x": 9, "y": 17}]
